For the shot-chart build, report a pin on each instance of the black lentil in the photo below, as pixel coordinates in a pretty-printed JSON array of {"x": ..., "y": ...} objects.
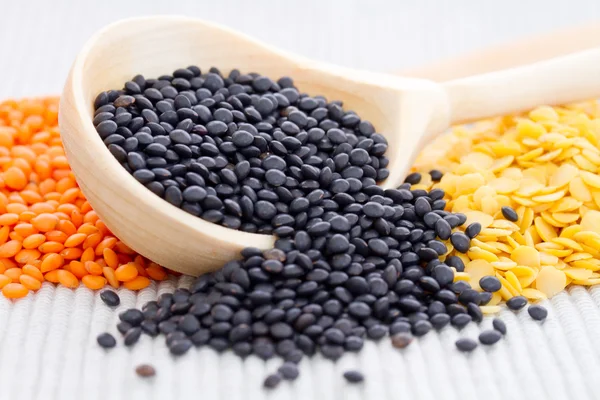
[
  {"x": 354, "y": 376},
  {"x": 456, "y": 262},
  {"x": 459, "y": 321},
  {"x": 516, "y": 303},
  {"x": 132, "y": 336},
  {"x": 537, "y": 312},
  {"x": 110, "y": 298},
  {"x": 466, "y": 345},
  {"x": 275, "y": 123},
  {"x": 272, "y": 381},
  {"x": 421, "y": 328},
  {"x": 439, "y": 321},
  {"x": 179, "y": 347},
  {"x": 475, "y": 312},
  {"x": 123, "y": 327},
  {"x": 485, "y": 298},
  {"x": 509, "y": 213},
  {"x": 490, "y": 337},
  {"x": 351, "y": 260},
  {"x": 490, "y": 284},
  {"x": 473, "y": 230},
  {"x": 132, "y": 316},
  {"x": 106, "y": 340},
  {"x": 460, "y": 241},
  {"x": 499, "y": 325},
  {"x": 413, "y": 178},
  {"x": 289, "y": 371}
]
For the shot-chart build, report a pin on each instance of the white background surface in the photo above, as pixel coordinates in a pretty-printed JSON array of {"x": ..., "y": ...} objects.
[{"x": 47, "y": 341}]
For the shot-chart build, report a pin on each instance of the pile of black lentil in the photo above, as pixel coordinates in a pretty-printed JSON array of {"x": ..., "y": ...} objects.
[
  {"x": 242, "y": 151},
  {"x": 352, "y": 260}
]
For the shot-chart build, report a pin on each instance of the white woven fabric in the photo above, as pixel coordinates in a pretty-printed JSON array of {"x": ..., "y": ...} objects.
[
  {"x": 48, "y": 344},
  {"x": 49, "y": 351}
]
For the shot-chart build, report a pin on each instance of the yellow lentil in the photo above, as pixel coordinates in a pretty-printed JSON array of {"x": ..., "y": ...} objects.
[{"x": 545, "y": 164}]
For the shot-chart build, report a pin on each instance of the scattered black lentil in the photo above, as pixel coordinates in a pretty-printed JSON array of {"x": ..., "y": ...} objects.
[
  {"x": 510, "y": 214},
  {"x": 106, "y": 340},
  {"x": 351, "y": 261},
  {"x": 537, "y": 312},
  {"x": 272, "y": 381},
  {"x": 354, "y": 376},
  {"x": 436, "y": 175},
  {"x": 413, "y": 178},
  {"x": 110, "y": 298},
  {"x": 516, "y": 303},
  {"x": 145, "y": 370},
  {"x": 499, "y": 325},
  {"x": 490, "y": 337},
  {"x": 466, "y": 345}
]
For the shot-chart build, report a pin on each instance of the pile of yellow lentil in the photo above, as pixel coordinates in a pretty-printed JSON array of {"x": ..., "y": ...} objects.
[
  {"x": 48, "y": 231},
  {"x": 544, "y": 164}
]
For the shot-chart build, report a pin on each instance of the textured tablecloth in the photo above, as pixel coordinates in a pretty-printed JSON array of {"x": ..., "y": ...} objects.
[{"x": 48, "y": 344}]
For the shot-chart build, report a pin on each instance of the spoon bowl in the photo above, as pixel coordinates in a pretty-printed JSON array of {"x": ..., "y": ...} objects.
[
  {"x": 407, "y": 111},
  {"x": 158, "y": 45}
]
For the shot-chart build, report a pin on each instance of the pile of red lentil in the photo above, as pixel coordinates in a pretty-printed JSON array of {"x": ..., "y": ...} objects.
[{"x": 48, "y": 230}]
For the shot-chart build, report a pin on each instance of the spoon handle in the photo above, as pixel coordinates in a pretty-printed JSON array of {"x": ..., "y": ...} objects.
[
  {"x": 515, "y": 53},
  {"x": 560, "y": 80}
]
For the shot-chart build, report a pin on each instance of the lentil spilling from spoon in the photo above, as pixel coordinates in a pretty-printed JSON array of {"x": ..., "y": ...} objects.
[{"x": 351, "y": 260}]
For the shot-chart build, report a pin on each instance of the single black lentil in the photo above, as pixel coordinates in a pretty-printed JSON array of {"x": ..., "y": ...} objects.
[
  {"x": 110, "y": 298},
  {"x": 354, "y": 376},
  {"x": 537, "y": 312},
  {"x": 351, "y": 261},
  {"x": 272, "y": 381},
  {"x": 179, "y": 347},
  {"x": 499, "y": 325},
  {"x": 460, "y": 241},
  {"x": 473, "y": 230},
  {"x": 436, "y": 175},
  {"x": 132, "y": 336},
  {"x": 509, "y": 213},
  {"x": 106, "y": 340},
  {"x": 490, "y": 337},
  {"x": 490, "y": 284},
  {"x": 461, "y": 320},
  {"x": 516, "y": 303},
  {"x": 466, "y": 345}
]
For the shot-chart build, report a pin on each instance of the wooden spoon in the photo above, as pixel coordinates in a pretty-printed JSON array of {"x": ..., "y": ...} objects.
[
  {"x": 510, "y": 54},
  {"x": 408, "y": 111}
]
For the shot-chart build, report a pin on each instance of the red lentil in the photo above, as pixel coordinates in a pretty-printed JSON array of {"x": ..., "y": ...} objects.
[
  {"x": 14, "y": 290},
  {"x": 48, "y": 230}
]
